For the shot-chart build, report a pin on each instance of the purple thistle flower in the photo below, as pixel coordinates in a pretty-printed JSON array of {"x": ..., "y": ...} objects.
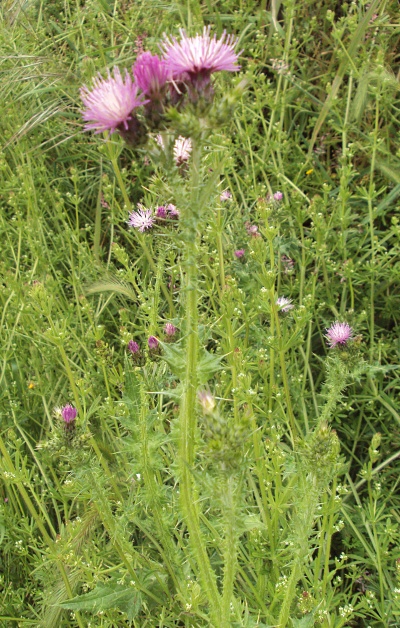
[
  {"x": 110, "y": 103},
  {"x": 225, "y": 196},
  {"x": 133, "y": 347},
  {"x": 170, "y": 329},
  {"x": 161, "y": 211},
  {"x": 200, "y": 53},
  {"x": 252, "y": 230},
  {"x": 182, "y": 150},
  {"x": 338, "y": 333},
  {"x": 278, "y": 196},
  {"x": 151, "y": 74},
  {"x": 69, "y": 413},
  {"x": 284, "y": 304},
  {"x": 142, "y": 219},
  {"x": 239, "y": 253},
  {"x": 152, "y": 343},
  {"x": 173, "y": 211}
]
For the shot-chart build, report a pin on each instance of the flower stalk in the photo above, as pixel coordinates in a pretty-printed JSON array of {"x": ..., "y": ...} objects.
[
  {"x": 230, "y": 549},
  {"x": 187, "y": 417}
]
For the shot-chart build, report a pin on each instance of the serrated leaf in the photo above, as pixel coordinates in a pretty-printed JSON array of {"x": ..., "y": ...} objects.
[
  {"x": 175, "y": 358},
  {"x": 107, "y": 596},
  {"x": 207, "y": 365},
  {"x": 252, "y": 522},
  {"x": 305, "y": 622}
]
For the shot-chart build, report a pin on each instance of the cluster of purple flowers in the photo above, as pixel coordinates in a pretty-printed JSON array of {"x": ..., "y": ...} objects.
[
  {"x": 184, "y": 67},
  {"x": 144, "y": 219},
  {"x": 153, "y": 343}
]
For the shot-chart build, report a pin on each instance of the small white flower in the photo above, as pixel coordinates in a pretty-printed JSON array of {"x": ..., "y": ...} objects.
[
  {"x": 225, "y": 196},
  {"x": 284, "y": 304},
  {"x": 142, "y": 219},
  {"x": 182, "y": 150}
]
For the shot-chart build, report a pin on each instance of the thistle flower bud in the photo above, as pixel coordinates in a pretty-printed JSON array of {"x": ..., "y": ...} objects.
[
  {"x": 320, "y": 452},
  {"x": 170, "y": 329},
  {"x": 152, "y": 343},
  {"x": 133, "y": 347},
  {"x": 207, "y": 401},
  {"x": 69, "y": 414}
]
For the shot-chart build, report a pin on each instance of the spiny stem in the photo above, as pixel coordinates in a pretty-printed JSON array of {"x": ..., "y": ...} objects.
[
  {"x": 230, "y": 553},
  {"x": 188, "y": 423}
]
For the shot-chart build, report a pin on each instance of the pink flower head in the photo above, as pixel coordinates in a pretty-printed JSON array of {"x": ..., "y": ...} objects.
[
  {"x": 173, "y": 211},
  {"x": 151, "y": 74},
  {"x": 338, "y": 333},
  {"x": 142, "y": 219},
  {"x": 161, "y": 211},
  {"x": 284, "y": 304},
  {"x": 133, "y": 347},
  {"x": 239, "y": 253},
  {"x": 252, "y": 230},
  {"x": 225, "y": 196},
  {"x": 111, "y": 101},
  {"x": 170, "y": 329},
  {"x": 68, "y": 413},
  {"x": 201, "y": 55},
  {"x": 152, "y": 343},
  {"x": 182, "y": 150},
  {"x": 278, "y": 196}
]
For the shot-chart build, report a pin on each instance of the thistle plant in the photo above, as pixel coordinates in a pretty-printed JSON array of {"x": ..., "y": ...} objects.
[
  {"x": 186, "y": 110},
  {"x": 192, "y": 275}
]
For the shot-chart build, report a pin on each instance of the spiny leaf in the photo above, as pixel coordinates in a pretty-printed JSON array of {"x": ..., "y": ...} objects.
[
  {"x": 208, "y": 363},
  {"x": 308, "y": 621},
  {"x": 107, "y": 596}
]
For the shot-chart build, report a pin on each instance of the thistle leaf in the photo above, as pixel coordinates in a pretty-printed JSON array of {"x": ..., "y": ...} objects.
[
  {"x": 107, "y": 596},
  {"x": 208, "y": 363}
]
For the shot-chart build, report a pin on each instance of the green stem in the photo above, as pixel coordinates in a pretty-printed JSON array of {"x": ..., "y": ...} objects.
[
  {"x": 328, "y": 536},
  {"x": 149, "y": 479},
  {"x": 302, "y": 528},
  {"x": 140, "y": 237},
  {"x": 230, "y": 551},
  {"x": 371, "y": 226},
  {"x": 187, "y": 418}
]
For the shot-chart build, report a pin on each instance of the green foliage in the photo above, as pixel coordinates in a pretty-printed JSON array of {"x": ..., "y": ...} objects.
[
  {"x": 107, "y": 596},
  {"x": 92, "y": 527}
]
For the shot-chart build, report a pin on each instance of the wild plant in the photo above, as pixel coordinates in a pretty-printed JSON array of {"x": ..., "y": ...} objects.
[{"x": 193, "y": 464}]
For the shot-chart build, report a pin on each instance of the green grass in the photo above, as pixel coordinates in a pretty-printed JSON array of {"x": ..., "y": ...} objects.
[{"x": 304, "y": 536}]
